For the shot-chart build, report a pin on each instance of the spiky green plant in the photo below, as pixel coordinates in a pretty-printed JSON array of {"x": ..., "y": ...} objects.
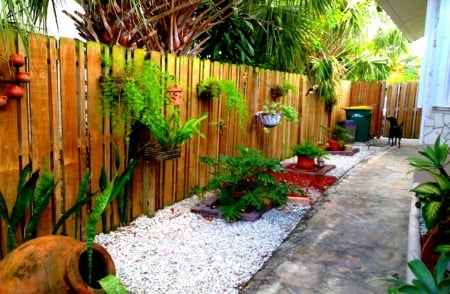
[
  {"x": 83, "y": 197},
  {"x": 25, "y": 190},
  {"x": 44, "y": 190},
  {"x": 109, "y": 192}
]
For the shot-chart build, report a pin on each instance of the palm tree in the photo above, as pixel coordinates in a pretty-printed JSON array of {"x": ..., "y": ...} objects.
[
  {"x": 23, "y": 16},
  {"x": 176, "y": 26}
]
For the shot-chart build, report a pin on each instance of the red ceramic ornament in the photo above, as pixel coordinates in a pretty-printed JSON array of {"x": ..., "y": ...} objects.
[
  {"x": 17, "y": 60},
  {"x": 14, "y": 92}
]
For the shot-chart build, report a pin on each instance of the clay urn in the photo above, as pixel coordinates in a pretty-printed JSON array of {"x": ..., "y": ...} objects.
[
  {"x": 16, "y": 60},
  {"x": 14, "y": 92},
  {"x": 23, "y": 77},
  {"x": 3, "y": 100},
  {"x": 53, "y": 264}
]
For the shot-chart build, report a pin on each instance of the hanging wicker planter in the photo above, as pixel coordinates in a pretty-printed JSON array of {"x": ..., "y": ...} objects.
[{"x": 158, "y": 152}]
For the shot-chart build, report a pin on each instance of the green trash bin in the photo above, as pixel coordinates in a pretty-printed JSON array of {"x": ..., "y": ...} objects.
[{"x": 362, "y": 115}]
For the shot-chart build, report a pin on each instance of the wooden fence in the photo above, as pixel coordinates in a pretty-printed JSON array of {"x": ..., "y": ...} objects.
[
  {"x": 58, "y": 122},
  {"x": 400, "y": 102}
]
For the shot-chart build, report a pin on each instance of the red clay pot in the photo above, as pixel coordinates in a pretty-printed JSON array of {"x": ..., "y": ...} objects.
[
  {"x": 14, "y": 92},
  {"x": 3, "y": 100},
  {"x": 53, "y": 264},
  {"x": 304, "y": 162},
  {"x": 16, "y": 60},
  {"x": 23, "y": 77},
  {"x": 175, "y": 94},
  {"x": 334, "y": 145}
]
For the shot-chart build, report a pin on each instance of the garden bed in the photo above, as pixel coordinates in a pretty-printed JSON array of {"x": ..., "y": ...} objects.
[
  {"x": 346, "y": 153},
  {"x": 210, "y": 208}
]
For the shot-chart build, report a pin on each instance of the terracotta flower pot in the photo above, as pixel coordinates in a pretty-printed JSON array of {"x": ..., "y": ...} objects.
[
  {"x": 14, "y": 92},
  {"x": 3, "y": 100},
  {"x": 16, "y": 60},
  {"x": 175, "y": 94},
  {"x": 304, "y": 162},
  {"x": 53, "y": 264},
  {"x": 23, "y": 77},
  {"x": 334, "y": 145}
]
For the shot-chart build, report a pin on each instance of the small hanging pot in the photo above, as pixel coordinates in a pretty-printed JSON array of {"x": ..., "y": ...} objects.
[
  {"x": 175, "y": 95},
  {"x": 17, "y": 60},
  {"x": 3, "y": 100},
  {"x": 23, "y": 77},
  {"x": 14, "y": 92}
]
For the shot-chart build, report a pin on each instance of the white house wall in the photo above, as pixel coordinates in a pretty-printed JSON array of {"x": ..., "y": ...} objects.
[{"x": 434, "y": 95}]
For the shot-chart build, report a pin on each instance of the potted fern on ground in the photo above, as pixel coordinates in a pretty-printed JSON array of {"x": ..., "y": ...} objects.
[
  {"x": 306, "y": 154},
  {"x": 246, "y": 183},
  {"x": 142, "y": 97}
]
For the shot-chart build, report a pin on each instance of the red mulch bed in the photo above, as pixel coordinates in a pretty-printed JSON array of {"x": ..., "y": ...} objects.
[{"x": 312, "y": 185}]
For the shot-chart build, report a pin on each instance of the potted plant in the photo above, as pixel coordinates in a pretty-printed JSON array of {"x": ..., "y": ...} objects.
[
  {"x": 433, "y": 200},
  {"x": 339, "y": 137},
  {"x": 306, "y": 153},
  {"x": 277, "y": 91},
  {"x": 244, "y": 183},
  {"x": 141, "y": 96},
  {"x": 212, "y": 87},
  {"x": 272, "y": 113}
]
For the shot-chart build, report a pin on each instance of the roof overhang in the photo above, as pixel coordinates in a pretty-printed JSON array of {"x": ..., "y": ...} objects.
[{"x": 408, "y": 15}]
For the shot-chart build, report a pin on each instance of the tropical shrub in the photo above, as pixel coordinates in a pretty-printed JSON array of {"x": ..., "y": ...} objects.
[
  {"x": 244, "y": 182},
  {"x": 433, "y": 197},
  {"x": 425, "y": 282}
]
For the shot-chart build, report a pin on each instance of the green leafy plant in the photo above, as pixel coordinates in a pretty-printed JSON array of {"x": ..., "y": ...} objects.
[
  {"x": 109, "y": 192},
  {"x": 28, "y": 188},
  {"x": 83, "y": 197},
  {"x": 199, "y": 191},
  {"x": 42, "y": 194},
  {"x": 139, "y": 95},
  {"x": 277, "y": 91},
  {"x": 284, "y": 111},
  {"x": 308, "y": 149},
  {"x": 170, "y": 132},
  {"x": 425, "y": 281},
  {"x": 112, "y": 285},
  {"x": 340, "y": 134},
  {"x": 213, "y": 88},
  {"x": 434, "y": 196},
  {"x": 245, "y": 182}
]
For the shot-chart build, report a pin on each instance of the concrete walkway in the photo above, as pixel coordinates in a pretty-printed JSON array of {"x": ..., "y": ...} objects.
[{"x": 356, "y": 234}]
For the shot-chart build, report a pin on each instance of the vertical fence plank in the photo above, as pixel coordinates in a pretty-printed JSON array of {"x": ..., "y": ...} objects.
[
  {"x": 70, "y": 127},
  {"x": 41, "y": 117},
  {"x": 193, "y": 106},
  {"x": 11, "y": 124}
]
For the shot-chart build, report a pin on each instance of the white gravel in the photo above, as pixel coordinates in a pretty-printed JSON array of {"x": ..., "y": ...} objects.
[{"x": 177, "y": 251}]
